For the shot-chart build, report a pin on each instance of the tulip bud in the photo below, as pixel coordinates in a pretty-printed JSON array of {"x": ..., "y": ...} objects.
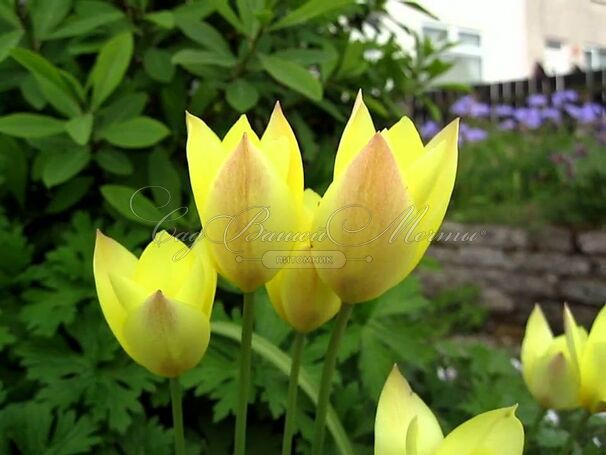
[
  {"x": 158, "y": 306},
  {"x": 297, "y": 294},
  {"x": 550, "y": 366},
  {"x": 245, "y": 189},
  {"x": 592, "y": 364},
  {"x": 385, "y": 204},
  {"x": 404, "y": 425}
]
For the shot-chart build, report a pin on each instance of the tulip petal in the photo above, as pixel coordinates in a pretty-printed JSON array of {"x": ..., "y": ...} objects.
[
  {"x": 185, "y": 333},
  {"x": 205, "y": 154},
  {"x": 434, "y": 176},
  {"x": 537, "y": 339},
  {"x": 109, "y": 256},
  {"x": 598, "y": 330},
  {"x": 247, "y": 204},
  {"x": 311, "y": 201},
  {"x": 359, "y": 212},
  {"x": 280, "y": 144},
  {"x": 130, "y": 294},
  {"x": 234, "y": 136},
  {"x": 308, "y": 303},
  {"x": 358, "y": 131},
  {"x": 404, "y": 140},
  {"x": 553, "y": 379},
  {"x": 494, "y": 432},
  {"x": 593, "y": 385},
  {"x": 199, "y": 287},
  {"x": 164, "y": 264},
  {"x": 575, "y": 336},
  {"x": 397, "y": 408}
]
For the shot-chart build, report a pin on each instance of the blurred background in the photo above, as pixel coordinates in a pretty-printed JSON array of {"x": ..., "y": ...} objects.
[{"x": 92, "y": 101}]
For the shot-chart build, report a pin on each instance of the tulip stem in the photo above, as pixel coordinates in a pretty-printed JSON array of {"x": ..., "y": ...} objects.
[
  {"x": 574, "y": 434},
  {"x": 244, "y": 378},
  {"x": 326, "y": 381},
  {"x": 175, "y": 397},
  {"x": 293, "y": 389}
]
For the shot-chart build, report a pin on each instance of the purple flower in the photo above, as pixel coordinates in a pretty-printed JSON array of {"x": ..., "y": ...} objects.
[
  {"x": 551, "y": 113},
  {"x": 462, "y": 106},
  {"x": 528, "y": 116},
  {"x": 503, "y": 110},
  {"x": 562, "y": 97},
  {"x": 479, "y": 110},
  {"x": 507, "y": 124},
  {"x": 475, "y": 135},
  {"x": 537, "y": 100},
  {"x": 586, "y": 114},
  {"x": 429, "y": 129}
]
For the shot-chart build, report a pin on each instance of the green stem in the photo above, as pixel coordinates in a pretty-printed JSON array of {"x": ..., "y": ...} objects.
[
  {"x": 175, "y": 397},
  {"x": 244, "y": 378},
  {"x": 293, "y": 389},
  {"x": 327, "y": 373},
  {"x": 575, "y": 433}
]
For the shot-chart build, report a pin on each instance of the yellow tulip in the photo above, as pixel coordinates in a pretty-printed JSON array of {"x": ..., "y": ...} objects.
[
  {"x": 297, "y": 294},
  {"x": 405, "y": 425},
  {"x": 157, "y": 306},
  {"x": 247, "y": 192},
  {"x": 549, "y": 366},
  {"x": 387, "y": 200},
  {"x": 593, "y": 365}
]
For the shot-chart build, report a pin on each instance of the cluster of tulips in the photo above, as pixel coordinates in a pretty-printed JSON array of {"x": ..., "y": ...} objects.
[{"x": 250, "y": 197}]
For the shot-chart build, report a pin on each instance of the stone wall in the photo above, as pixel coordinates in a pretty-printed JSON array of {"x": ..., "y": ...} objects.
[{"x": 516, "y": 268}]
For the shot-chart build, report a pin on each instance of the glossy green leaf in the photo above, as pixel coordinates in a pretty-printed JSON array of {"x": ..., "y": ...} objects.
[
  {"x": 196, "y": 57},
  {"x": 131, "y": 203},
  {"x": 204, "y": 34},
  {"x": 110, "y": 67},
  {"x": 138, "y": 132},
  {"x": 164, "y": 19},
  {"x": 56, "y": 89},
  {"x": 69, "y": 194},
  {"x": 311, "y": 10},
  {"x": 47, "y": 15},
  {"x": 79, "y": 128},
  {"x": 292, "y": 75},
  {"x": 8, "y": 41},
  {"x": 30, "y": 125},
  {"x": 242, "y": 95},
  {"x": 63, "y": 165},
  {"x": 81, "y": 25},
  {"x": 13, "y": 168},
  {"x": 164, "y": 180},
  {"x": 114, "y": 161},
  {"x": 157, "y": 63}
]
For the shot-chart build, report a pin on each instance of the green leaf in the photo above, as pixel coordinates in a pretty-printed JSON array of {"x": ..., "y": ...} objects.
[
  {"x": 123, "y": 107},
  {"x": 32, "y": 93},
  {"x": 310, "y": 10},
  {"x": 46, "y": 15},
  {"x": 56, "y": 89},
  {"x": 13, "y": 168},
  {"x": 242, "y": 95},
  {"x": 164, "y": 180},
  {"x": 157, "y": 63},
  {"x": 110, "y": 67},
  {"x": 114, "y": 161},
  {"x": 138, "y": 132},
  {"x": 416, "y": 6},
  {"x": 164, "y": 19},
  {"x": 195, "y": 57},
  {"x": 8, "y": 41},
  {"x": 81, "y": 25},
  {"x": 131, "y": 204},
  {"x": 68, "y": 194},
  {"x": 30, "y": 125},
  {"x": 292, "y": 75},
  {"x": 204, "y": 34},
  {"x": 63, "y": 165},
  {"x": 79, "y": 128},
  {"x": 282, "y": 362}
]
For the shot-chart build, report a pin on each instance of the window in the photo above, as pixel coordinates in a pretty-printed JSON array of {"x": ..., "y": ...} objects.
[
  {"x": 595, "y": 58},
  {"x": 466, "y": 55},
  {"x": 556, "y": 59}
]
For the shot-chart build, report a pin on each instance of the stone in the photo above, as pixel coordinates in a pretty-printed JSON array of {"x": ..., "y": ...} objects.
[
  {"x": 501, "y": 236},
  {"x": 599, "y": 264},
  {"x": 592, "y": 242},
  {"x": 552, "y": 238},
  {"x": 584, "y": 290},
  {"x": 496, "y": 301},
  {"x": 557, "y": 263},
  {"x": 482, "y": 256}
]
